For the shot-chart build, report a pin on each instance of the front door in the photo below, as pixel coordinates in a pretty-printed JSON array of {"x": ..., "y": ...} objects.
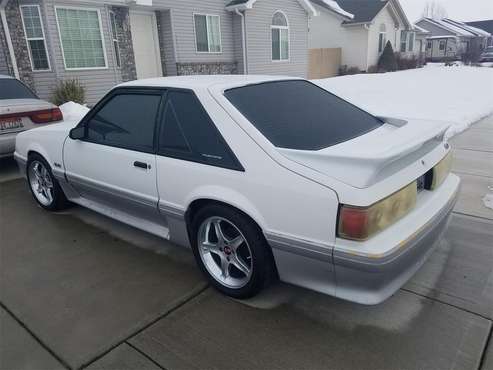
[
  {"x": 145, "y": 44},
  {"x": 114, "y": 165}
]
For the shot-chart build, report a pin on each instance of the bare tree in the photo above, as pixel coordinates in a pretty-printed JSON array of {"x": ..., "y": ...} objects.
[{"x": 434, "y": 9}]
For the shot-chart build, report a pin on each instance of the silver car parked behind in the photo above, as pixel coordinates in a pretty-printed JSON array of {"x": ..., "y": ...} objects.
[{"x": 20, "y": 110}]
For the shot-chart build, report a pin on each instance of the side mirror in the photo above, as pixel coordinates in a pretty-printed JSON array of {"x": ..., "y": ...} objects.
[{"x": 77, "y": 133}]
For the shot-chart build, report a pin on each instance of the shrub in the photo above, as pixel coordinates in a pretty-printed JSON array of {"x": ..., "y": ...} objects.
[
  {"x": 404, "y": 62},
  {"x": 69, "y": 90},
  {"x": 344, "y": 70},
  {"x": 373, "y": 69},
  {"x": 387, "y": 61}
]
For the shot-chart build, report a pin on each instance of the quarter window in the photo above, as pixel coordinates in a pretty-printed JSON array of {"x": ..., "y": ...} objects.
[
  {"x": 33, "y": 29},
  {"x": 114, "y": 33},
  {"x": 280, "y": 37},
  {"x": 207, "y": 33},
  {"x": 188, "y": 133},
  {"x": 81, "y": 38},
  {"x": 126, "y": 121}
]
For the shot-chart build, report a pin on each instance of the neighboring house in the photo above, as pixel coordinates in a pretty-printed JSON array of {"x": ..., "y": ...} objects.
[
  {"x": 102, "y": 43},
  {"x": 486, "y": 25},
  {"x": 361, "y": 30},
  {"x": 449, "y": 39}
]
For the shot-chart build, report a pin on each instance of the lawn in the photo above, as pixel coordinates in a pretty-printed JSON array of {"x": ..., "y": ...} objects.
[{"x": 459, "y": 95}]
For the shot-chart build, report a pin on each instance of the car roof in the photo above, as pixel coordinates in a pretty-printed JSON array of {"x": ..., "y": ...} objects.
[{"x": 195, "y": 82}]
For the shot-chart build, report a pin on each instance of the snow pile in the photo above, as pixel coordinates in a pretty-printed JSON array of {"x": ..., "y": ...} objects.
[
  {"x": 459, "y": 95},
  {"x": 336, "y": 8},
  {"x": 73, "y": 111},
  {"x": 488, "y": 198}
]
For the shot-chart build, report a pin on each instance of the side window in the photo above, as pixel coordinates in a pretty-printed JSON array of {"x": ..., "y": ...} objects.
[
  {"x": 188, "y": 133},
  {"x": 126, "y": 121}
]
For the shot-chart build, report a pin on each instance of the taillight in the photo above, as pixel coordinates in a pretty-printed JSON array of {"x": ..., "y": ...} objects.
[
  {"x": 360, "y": 223},
  {"x": 45, "y": 116},
  {"x": 441, "y": 171}
]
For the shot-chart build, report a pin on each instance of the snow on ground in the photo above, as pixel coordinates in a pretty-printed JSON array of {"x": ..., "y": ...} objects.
[
  {"x": 73, "y": 111},
  {"x": 458, "y": 95}
]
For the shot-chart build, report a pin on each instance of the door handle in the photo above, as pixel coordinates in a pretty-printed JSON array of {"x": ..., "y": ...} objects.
[{"x": 141, "y": 165}]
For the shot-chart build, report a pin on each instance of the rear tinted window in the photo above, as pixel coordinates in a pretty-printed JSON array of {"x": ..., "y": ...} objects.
[
  {"x": 300, "y": 115},
  {"x": 13, "y": 89}
]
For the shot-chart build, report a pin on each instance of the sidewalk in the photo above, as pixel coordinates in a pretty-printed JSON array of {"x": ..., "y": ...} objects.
[{"x": 473, "y": 152}]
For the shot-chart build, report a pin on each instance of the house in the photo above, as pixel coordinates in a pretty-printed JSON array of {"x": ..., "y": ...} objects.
[
  {"x": 102, "y": 43},
  {"x": 486, "y": 25},
  {"x": 361, "y": 29},
  {"x": 449, "y": 39}
]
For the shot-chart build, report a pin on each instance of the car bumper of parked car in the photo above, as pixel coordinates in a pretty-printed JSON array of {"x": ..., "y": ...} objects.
[
  {"x": 7, "y": 144},
  {"x": 372, "y": 278},
  {"x": 21, "y": 163}
]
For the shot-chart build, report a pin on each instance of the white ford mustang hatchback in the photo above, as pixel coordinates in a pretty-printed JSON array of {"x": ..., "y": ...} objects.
[{"x": 263, "y": 177}]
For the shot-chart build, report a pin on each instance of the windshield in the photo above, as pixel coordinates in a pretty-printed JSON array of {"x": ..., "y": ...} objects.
[
  {"x": 299, "y": 115},
  {"x": 13, "y": 89}
]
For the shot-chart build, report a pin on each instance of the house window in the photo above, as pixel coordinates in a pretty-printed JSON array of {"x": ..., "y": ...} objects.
[
  {"x": 114, "y": 33},
  {"x": 280, "y": 37},
  {"x": 412, "y": 35},
  {"x": 429, "y": 44},
  {"x": 382, "y": 38},
  {"x": 81, "y": 38},
  {"x": 208, "y": 33},
  {"x": 403, "y": 41},
  {"x": 442, "y": 45},
  {"x": 35, "y": 37}
]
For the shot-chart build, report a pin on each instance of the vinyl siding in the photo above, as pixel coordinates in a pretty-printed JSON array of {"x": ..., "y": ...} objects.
[
  {"x": 258, "y": 23},
  {"x": 4, "y": 70},
  {"x": 96, "y": 82},
  {"x": 326, "y": 31},
  {"x": 393, "y": 35},
  {"x": 182, "y": 12}
]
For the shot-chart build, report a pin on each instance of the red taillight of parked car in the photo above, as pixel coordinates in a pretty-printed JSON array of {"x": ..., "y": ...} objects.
[
  {"x": 38, "y": 116},
  {"x": 46, "y": 116}
]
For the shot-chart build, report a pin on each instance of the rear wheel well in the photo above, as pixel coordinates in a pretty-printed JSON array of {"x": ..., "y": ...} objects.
[{"x": 199, "y": 204}]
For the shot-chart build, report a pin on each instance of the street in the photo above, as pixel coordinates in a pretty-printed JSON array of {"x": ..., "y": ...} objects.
[{"x": 78, "y": 290}]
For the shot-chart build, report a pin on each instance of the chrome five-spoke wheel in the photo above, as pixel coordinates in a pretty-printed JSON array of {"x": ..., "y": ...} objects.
[
  {"x": 225, "y": 252},
  {"x": 41, "y": 183}
]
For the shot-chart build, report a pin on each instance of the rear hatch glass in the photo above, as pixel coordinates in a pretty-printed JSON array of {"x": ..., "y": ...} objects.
[
  {"x": 297, "y": 114},
  {"x": 13, "y": 89}
]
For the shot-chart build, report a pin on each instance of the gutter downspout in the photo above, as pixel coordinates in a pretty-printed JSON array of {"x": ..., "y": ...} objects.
[
  {"x": 243, "y": 41},
  {"x": 3, "y": 17}
]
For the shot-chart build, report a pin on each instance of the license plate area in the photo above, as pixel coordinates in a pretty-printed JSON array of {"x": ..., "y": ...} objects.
[
  {"x": 10, "y": 124},
  {"x": 421, "y": 181}
]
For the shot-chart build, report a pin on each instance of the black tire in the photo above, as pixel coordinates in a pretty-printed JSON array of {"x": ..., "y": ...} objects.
[
  {"x": 59, "y": 201},
  {"x": 262, "y": 264}
]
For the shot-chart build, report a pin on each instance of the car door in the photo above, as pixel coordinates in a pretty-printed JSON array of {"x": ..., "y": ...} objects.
[{"x": 114, "y": 164}]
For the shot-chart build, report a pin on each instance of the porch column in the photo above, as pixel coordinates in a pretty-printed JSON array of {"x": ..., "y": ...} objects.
[
  {"x": 14, "y": 20},
  {"x": 124, "y": 32}
]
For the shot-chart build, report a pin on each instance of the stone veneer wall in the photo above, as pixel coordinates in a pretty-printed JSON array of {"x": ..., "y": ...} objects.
[
  {"x": 6, "y": 54},
  {"x": 14, "y": 20},
  {"x": 127, "y": 57},
  {"x": 218, "y": 68}
]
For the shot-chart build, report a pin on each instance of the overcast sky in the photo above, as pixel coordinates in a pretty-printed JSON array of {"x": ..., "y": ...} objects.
[{"x": 461, "y": 10}]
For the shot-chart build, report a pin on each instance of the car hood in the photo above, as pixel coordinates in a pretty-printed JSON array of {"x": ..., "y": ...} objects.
[{"x": 367, "y": 159}]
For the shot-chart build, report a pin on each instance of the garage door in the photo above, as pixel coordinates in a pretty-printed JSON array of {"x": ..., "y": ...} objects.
[{"x": 145, "y": 44}]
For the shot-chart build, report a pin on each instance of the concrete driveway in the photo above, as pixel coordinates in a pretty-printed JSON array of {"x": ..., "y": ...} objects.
[{"x": 78, "y": 290}]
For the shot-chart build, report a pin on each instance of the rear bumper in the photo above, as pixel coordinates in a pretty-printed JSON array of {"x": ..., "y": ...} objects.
[
  {"x": 7, "y": 144},
  {"x": 372, "y": 278}
]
